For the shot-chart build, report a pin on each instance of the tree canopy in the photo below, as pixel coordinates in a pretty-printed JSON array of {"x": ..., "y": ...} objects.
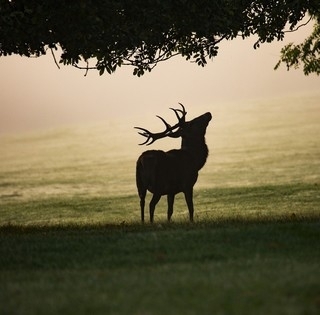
[{"x": 107, "y": 34}]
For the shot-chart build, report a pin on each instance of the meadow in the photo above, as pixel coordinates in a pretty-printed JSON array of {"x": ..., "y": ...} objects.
[{"x": 71, "y": 241}]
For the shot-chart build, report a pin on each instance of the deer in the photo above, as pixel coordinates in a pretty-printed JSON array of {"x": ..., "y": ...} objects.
[{"x": 175, "y": 171}]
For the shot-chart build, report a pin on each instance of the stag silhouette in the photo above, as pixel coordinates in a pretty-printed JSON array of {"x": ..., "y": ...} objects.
[{"x": 174, "y": 171}]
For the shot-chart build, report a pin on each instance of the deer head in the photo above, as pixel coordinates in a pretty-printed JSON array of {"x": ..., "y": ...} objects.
[{"x": 170, "y": 131}]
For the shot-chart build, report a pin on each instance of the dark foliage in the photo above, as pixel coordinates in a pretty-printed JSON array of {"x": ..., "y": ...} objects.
[{"x": 142, "y": 32}]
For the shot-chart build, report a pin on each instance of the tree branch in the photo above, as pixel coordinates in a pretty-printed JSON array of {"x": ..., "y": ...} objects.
[{"x": 301, "y": 25}]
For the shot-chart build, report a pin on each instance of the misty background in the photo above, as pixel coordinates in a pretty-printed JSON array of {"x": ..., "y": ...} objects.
[{"x": 36, "y": 95}]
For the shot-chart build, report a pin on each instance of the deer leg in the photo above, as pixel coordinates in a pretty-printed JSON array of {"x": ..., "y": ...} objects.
[
  {"x": 155, "y": 199},
  {"x": 142, "y": 195},
  {"x": 170, "y": 199},
  {"x": 188, "y": 194},
  {"x": 142, "y": 203}
]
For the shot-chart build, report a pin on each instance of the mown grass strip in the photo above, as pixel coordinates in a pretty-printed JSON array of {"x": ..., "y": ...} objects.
[{"x": 246, "y": 203}]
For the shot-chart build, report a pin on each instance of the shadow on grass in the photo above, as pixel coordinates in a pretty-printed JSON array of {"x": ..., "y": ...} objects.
[{"x": 234, "y": 243}]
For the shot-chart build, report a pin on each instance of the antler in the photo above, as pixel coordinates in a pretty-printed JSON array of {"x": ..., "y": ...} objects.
[{"x": 152, "y": 137}]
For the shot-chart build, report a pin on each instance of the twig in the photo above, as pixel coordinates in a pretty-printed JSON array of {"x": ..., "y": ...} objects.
[
  {"x": 54, "y": 58},
  {"x": 87, "y": 68},
  {"x": 84, "y": 68}
]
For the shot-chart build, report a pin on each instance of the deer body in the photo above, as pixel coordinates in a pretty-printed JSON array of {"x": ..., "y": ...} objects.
[{"x": 174, "y": 171}]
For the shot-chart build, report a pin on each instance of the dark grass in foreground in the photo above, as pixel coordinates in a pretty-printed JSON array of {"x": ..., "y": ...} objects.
[
  {"x": 229, "y": 267},
  {"x": 252, "y": 251}
]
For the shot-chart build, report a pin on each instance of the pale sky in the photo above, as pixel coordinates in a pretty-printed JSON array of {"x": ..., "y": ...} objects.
[{"x": 35, "y": 94}]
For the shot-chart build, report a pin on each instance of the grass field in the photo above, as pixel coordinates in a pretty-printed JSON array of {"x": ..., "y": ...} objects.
[{"x": 71, "y": 241}]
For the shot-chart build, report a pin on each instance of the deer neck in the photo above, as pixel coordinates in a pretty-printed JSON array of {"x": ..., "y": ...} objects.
[{"x": 197, "y": 149}]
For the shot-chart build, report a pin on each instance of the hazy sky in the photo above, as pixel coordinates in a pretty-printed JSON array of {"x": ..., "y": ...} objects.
[{"x": 35, "y": 94}]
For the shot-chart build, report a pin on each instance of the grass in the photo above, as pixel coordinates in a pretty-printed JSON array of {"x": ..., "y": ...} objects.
[
  {"x": 214, "y": 204},
  {"x": 223, "y": 267},
  {"x": 71, "y": 241}
]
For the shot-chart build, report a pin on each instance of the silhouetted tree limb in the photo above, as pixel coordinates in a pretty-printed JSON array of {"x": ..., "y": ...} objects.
[{"x": 140, "y": 33}]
